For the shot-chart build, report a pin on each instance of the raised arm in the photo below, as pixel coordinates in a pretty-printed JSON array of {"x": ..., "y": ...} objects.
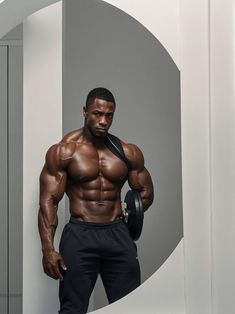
[
  {"x": 139, "y": 177},
  {"x": 53, "y": 180}
]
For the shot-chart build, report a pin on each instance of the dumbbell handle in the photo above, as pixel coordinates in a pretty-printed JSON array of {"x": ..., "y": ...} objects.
[{"x": 125, "y": 213}]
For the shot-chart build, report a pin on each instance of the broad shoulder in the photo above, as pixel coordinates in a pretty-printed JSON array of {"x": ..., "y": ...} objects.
[
  {"x": 65, "y": 149},
  {"x": 134, "y": 155},
  {"x": 59, "y": 155}
]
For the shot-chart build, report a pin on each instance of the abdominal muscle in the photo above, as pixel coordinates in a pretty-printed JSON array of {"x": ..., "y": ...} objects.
[{"x": 95, "y": 203}]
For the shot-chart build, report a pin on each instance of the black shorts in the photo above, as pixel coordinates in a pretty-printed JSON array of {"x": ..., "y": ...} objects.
[{"x": 89, "y": 249}]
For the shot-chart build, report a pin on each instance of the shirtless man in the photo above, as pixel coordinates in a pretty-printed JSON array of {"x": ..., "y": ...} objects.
[{"x": 96, "y": 240}]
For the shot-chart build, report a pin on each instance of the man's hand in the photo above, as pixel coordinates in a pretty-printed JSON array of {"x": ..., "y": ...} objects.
[{"x": 52, "y": 261}]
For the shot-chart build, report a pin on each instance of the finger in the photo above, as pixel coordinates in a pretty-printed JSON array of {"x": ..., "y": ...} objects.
[
  {"x": 48, "y": 270},
  {"x": 51, "y": 272},
  {"x": 57, "y": 272},
  {"x": 62, "y": 264}
]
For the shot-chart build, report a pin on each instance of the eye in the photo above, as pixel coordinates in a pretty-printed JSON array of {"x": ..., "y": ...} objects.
[
  {"x": 110, "y": 115},
  {"x": 97, "y": 114}
]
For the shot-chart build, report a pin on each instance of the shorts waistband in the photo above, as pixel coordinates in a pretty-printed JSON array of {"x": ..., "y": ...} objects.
[{"x": 89, "y": 224}]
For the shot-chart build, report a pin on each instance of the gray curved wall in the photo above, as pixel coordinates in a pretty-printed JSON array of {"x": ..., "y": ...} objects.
[{"x": 103, "y": 46}]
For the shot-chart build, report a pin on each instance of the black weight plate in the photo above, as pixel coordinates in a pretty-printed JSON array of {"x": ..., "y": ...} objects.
[{"x": 135, "y": 213}]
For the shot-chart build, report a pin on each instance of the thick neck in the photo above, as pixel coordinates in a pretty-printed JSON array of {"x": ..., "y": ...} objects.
[{"x": 90, "y": 138}]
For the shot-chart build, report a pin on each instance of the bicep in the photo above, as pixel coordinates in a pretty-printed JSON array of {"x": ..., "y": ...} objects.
[
  {"x": 138, "y": 177},
  {"x": 52, "y": 186},
  {"x": 53, "y": 177}
]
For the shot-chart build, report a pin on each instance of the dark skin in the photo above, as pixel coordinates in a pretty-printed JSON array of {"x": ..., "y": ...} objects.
[{"x": 92, "y": 177}]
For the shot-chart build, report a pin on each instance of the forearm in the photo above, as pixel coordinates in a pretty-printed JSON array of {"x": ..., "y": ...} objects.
[
  {"x": 47, "y": 224},
  {"x": 142, "y": 182},
  {"x": 147, "y": 197}
]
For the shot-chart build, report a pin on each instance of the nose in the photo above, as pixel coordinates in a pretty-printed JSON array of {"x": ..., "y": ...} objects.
[{"x": 103, "y": 121}]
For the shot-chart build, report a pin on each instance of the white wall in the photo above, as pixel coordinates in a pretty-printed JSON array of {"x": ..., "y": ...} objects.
[
  {"x": 194, "y": 60},
  {"x": 13, "y": 12},
  {"x": 42, "y": 127},
  {"x": 222, "y": 154}
]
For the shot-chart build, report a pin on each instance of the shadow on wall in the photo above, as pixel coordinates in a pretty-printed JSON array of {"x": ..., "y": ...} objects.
[{"x": 103, "y": 46}]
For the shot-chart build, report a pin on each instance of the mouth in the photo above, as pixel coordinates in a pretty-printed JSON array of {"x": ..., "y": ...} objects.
[{"x": 101, "y": 130}]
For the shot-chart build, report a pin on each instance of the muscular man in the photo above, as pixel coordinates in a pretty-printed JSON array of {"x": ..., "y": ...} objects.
[{"x": 96, "y": 240}]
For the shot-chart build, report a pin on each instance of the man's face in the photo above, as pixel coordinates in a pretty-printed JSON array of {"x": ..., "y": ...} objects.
[{"x": 99, "y": 116}]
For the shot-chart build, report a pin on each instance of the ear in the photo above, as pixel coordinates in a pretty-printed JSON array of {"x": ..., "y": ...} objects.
[{"x": 84, "y": 112}]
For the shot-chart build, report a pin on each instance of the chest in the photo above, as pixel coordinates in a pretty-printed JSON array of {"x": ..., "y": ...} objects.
[{"x": 91, "y": 163}]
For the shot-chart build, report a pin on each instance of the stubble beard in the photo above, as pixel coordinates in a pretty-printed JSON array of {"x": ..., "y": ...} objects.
[{"x": 98, "y": 136}]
